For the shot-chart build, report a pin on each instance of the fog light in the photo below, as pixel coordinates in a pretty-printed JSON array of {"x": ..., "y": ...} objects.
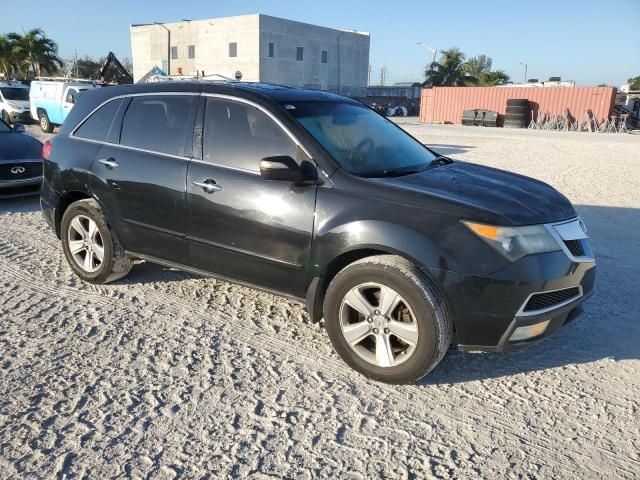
[{"x": 524, "y": 333}]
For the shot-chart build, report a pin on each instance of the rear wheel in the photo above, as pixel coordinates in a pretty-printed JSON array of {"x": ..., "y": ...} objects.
[
  {"x": 91, "y": 245},
  {"x": 386, "y": 320},
  {"x": 45, "y": 124}
]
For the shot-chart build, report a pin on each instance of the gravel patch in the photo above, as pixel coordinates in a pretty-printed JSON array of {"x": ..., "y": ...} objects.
[{"x": 167, "y": 375}]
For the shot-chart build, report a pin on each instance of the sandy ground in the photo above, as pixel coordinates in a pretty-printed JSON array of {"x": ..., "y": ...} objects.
[{"x": 166, "y": 375}]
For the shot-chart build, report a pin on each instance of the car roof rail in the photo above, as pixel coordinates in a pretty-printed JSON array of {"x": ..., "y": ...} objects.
[{"x": 65, "y": 79}]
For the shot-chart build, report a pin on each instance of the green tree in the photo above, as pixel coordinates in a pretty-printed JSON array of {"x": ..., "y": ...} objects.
[
  {"x": 493, "y": 78},
  {"x": 450, "y": 70},
  {"x": 35, "y": 53},
  {"x": 634, "y": 83},
  {"x": 478, "y": 65},
  {"x": 87, "y": 68}
]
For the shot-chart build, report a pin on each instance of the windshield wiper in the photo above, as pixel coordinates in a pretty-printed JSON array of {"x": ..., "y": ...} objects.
[{"x": 441, "y": 160}]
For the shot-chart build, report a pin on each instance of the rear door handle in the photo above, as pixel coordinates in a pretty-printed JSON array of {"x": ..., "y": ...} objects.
[
  {"x": 209, "y": 185},
  {"x": 110, "y": 163}
]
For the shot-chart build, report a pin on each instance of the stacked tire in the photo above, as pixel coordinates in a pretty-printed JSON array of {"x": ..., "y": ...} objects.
[{"x": 518, "y": 113}]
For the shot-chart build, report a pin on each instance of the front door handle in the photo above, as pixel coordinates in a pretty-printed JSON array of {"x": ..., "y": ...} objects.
[
  {"x": 209, "y": 185},
  {"x": 110, "y": 163}
]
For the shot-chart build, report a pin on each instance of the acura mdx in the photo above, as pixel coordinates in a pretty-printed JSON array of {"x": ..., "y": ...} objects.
[{"x": 402, "y": 251}]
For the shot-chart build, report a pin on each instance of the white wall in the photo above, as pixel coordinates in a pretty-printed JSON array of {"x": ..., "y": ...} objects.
[{"x": 346, "y": 70}]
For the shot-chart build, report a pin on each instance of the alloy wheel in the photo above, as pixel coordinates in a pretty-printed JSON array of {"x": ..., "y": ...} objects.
[
  {"x": 85, "y": 243},
  {"x": 378, "y": 324}
]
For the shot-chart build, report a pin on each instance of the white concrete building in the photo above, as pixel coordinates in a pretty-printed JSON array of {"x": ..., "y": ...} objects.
[{"x": 262, "y": 48}]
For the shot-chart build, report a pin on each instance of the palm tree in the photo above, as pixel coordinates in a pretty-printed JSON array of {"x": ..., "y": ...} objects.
[
  {"x": 36, "y": 52},
  {"x": 7, "y": 60},
  {"x": 493, "y": 78},
  {"x": 450, "y": 70}
]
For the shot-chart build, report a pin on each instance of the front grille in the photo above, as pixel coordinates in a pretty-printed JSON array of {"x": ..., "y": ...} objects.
[
  {"x": 31, "y": 170},
  {"x": 539, "y": 301},
  {"x": 575, "y": 247}
]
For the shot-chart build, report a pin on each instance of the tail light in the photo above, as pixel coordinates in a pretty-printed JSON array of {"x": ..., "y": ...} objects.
[{"x": 46, "y": 150}]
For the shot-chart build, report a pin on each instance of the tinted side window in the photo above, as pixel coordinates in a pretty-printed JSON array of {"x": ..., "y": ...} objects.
[
  {"x": 96, "y": 127},
  {"x": 157, "y": 123},
  {"x": 239, "y": 135}
]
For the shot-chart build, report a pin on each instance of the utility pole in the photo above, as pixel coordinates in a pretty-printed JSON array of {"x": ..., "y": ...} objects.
[
  {"x": 369, "y": 81},
  {"x": 75, "y": 61},
  {"x": 383, "y": 75},
  {"x": 524, "y": 80}
]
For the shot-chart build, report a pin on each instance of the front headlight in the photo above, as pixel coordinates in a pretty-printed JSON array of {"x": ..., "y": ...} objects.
[
  {"x": 15, "y": 106},
  {"x": 515, "y": 242}
]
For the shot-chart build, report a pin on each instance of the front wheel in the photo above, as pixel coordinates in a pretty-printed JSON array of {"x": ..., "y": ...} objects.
[
  {"x": 91, "y": 245},
  {"x": 6, "y": 117},
  {"x": 386, "y": 320}
]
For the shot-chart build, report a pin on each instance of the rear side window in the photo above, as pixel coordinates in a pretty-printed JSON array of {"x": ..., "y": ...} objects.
[
  {"x": 157, "y": 123},
  {"x": 239, "y": 135},
  {"x": 97, "y": 126}
]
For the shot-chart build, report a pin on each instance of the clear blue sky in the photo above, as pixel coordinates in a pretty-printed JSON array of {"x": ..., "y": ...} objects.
[{"x": 590, "y": 41}]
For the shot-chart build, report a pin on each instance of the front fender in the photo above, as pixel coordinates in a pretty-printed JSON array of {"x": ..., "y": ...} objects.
[{"x": 376, "y": 235}]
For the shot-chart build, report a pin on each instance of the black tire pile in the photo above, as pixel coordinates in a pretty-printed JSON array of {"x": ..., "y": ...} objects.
[{"x": 518, "y": 113}]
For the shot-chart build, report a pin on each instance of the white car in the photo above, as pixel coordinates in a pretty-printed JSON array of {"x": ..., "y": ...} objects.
[{"x": 14, "y": 102}]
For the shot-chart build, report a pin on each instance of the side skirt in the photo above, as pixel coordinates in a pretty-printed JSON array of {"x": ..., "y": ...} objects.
[{"x": 204, "y": 273}]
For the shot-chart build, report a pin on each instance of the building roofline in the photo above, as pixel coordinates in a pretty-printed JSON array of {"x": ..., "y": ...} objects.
[{"x": 178, "y": 22}]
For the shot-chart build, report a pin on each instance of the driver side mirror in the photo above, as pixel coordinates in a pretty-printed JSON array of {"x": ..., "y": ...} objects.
[
  {"x": 18, "y": 128},
  {"x": 283, "y": 168}
]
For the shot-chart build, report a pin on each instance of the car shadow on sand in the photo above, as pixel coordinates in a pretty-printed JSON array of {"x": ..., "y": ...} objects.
[
  {"x": 608, "y": 329},
  {"x": 19, "y": 204}
]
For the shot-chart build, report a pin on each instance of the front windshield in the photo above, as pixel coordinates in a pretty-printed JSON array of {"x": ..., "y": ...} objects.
[
  {"x": 4, "y": 128},
  {"x": 12, "y": 93},
  {"x": 360, "y": 140}
]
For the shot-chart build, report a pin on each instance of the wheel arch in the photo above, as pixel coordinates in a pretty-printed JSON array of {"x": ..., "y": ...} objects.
[
  {"x": 67, "y": 199},
  {"x": 373, "y": 238}
]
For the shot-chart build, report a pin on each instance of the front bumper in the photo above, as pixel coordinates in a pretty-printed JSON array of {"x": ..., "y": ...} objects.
[
  {"x": 20, "y": 117},
  {"x": 20, "y": 188},
  {"x": 487, "y": 310}
]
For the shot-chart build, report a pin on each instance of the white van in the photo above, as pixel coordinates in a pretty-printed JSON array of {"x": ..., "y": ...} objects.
[
  {"x": 14, "y": 102},
  {"x": 52, "y": 99}
]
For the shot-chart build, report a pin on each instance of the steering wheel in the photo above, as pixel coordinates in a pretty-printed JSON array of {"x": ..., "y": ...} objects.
[{"x": 358, "y": 155}]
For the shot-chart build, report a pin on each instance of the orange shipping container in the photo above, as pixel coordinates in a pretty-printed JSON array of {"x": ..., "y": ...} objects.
[{"x": 446, "y": 104}]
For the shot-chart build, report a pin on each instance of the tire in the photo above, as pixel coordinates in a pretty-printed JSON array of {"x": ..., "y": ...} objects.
[
  {"x": 515, "y": 124},
  {"x": 420, "y": 315},
  {"x": 517, "y": 110},
  {"x": 518, "y": 117},
  {"x": 6, "y": 118},
  {"x": 114, "y": 263},
  {"x": 518, "y": 102},
  {"x": 45, "y": 124}
]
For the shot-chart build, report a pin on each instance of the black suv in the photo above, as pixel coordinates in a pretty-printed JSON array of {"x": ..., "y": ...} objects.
[{"x": 314, "y": 196}]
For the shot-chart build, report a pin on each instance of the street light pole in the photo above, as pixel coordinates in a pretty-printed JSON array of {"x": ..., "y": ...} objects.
[
  {"x": 524, "y": 80},
  {"x": 434, "y": 50},
  {"x": 168, "y": 46}
]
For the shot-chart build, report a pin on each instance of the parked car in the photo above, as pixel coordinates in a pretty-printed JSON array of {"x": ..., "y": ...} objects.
[
  {"x": 20, "y": 162},
  {"x": 52, "y": 100},
  {"x": 14, "y": 102},
  {"x": 317, "y": 197}
]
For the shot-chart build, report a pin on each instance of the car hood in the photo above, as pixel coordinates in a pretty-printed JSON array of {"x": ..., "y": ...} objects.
[
  {"x": 19, "y": 146},
  {"x": 516, "y": 199},
  {"x": 24, "y": 104}
]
